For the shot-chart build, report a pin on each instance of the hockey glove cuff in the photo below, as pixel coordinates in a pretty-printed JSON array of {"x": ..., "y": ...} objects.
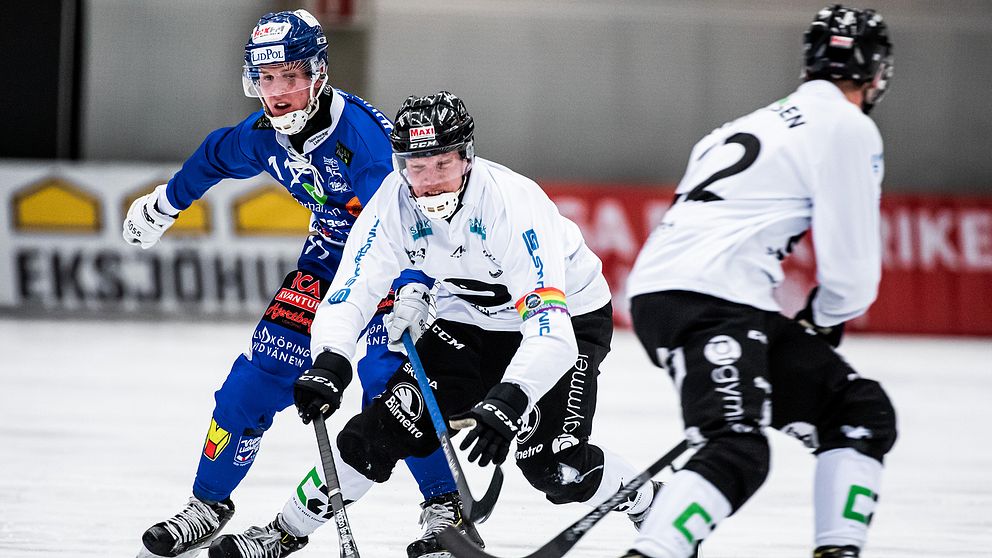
[
  {"x": 317, "y": 393},
  {"x": 145, "y": 222},
  {"x": 410, "y": 312},
  {"x": 496, "y": 420},
  {"x": 831, "y": 335}
]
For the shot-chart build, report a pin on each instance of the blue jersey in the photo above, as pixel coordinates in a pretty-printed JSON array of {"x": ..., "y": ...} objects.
[
  {"x": 334, "y": 174},
  {"x": 339, "y": 169}
]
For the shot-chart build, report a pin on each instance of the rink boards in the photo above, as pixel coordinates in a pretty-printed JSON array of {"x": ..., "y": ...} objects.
[{"x": 61, "y": 249}]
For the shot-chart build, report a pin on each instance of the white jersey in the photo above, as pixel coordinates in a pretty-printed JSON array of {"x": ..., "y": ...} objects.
[
  {"x": 506, "y": 261},
  {"x": 754, "y": 186}
]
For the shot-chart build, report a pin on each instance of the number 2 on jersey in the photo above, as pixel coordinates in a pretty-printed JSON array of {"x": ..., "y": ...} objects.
[{"x": 751, "y": 149}]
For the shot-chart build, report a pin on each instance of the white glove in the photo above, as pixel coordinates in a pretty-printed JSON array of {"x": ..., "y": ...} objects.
[
  {"x": 145, "y": 223},
  {"x": 410, "y": 311}
]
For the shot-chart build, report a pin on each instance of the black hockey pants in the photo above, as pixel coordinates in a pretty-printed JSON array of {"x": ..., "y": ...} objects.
[
  {"x": 465, "y": 361},
  {"x": 738, "y": 368}
]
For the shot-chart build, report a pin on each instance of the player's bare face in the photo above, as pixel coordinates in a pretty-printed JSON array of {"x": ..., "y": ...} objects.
[
  {"x": 437, "y": 174},
  {"x": 284, "y": 88}
]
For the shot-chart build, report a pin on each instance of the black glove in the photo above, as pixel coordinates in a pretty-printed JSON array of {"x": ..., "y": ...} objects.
[
  {"x": 497, "y": 421},
  {"x": 317, "y": 393},
  {"x": 830, "y": 334}
]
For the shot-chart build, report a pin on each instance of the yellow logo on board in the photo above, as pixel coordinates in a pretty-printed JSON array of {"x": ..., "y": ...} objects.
[
  {"x": 268, "y": 210},
  {"x": 55, "y": 205}
]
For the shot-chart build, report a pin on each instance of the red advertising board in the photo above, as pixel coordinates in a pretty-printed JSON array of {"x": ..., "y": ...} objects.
[{"x": 936, "y": 261}]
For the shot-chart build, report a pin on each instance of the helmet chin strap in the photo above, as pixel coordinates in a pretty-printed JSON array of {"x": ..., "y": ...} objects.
[
  {"x": 294, "y": 121},
  {"x": 441, "y": 206}
]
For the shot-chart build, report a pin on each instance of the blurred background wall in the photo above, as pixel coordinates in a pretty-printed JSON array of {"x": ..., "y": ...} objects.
[
  {"x": 599, "y": 100},
  {"x": 583, "y": 90}
]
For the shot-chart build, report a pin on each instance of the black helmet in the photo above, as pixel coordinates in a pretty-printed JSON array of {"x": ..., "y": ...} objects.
[
  {"x": 848, "y": 43},
  {"x": 431, "y": 125}
]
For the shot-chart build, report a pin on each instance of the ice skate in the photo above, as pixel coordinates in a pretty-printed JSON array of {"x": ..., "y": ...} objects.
[
  {"x": 271, "y": 541},
  {"x": 440, "y": 512},
  {"x": 186, "y": 533},
  {"x": 836, "y": 552}
]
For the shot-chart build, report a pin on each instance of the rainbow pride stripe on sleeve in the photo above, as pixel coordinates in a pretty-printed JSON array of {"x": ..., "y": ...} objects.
[{"x": 540, "y": 301}]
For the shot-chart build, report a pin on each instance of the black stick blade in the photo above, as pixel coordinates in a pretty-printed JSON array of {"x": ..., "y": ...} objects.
[{"x": 482, "y": 509}]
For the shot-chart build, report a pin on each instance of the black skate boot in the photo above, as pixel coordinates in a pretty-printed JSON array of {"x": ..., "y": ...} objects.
[
  {"x": 836, "y": 552},
  {"x": 638, "y": 518},
  {"x": 440, "y": 512},
  {"x": 271, "y": 541},
  {"x": 187, "y": 531}
]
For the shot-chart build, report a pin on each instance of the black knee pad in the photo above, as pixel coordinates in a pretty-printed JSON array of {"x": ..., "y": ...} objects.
[
  {"x": 736, "y": 464},
  {"x": 865, "y": 421},
  {"x": 359, "y": 450},
  {"x": 545, "y": 472},
  {"x": 395, "y": 426}
]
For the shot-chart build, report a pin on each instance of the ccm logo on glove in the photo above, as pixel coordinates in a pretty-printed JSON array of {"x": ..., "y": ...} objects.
[
  {"x": 495, "y": 422},
  {"x": 498, "y": 413},
  {"x": 320, "y": 380},
  {"x": 317, "y": 393}
]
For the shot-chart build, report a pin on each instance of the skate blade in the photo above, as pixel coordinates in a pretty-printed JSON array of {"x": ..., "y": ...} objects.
[{"x": 144, "y": 553}]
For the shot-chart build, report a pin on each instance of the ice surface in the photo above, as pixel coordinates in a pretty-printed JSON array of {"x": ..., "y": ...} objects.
[{"x": 101, "y": 425}]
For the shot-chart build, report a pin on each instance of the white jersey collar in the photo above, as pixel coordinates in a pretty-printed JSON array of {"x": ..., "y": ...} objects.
[
  {"x": 476, "y": 180},
  {"x": 822, "y": 88}
]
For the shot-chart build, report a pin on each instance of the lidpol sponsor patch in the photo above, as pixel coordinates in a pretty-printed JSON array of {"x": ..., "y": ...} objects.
[
  {"x": 269, "y": 54},
  {"x": 540, "y": 301},
  {"x": 217, "y": 440}
]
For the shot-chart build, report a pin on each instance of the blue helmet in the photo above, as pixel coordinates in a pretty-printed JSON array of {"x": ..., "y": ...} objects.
[
  {"x": 285, "y": 37},
  {"x": 286, "y": 53}
]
